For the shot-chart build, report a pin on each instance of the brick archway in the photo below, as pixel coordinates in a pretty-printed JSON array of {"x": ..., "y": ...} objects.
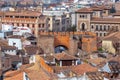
[{"x": 62, "y": 41}]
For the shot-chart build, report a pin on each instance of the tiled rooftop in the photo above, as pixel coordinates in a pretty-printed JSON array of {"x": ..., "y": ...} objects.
[
  {"x": 84, "y": 10},
  {"x": 83, "y": 68},
  {"x": 105, "y": 20},
  {"x": 113, "y": 36},
  {"x": 64, "y": 56}
]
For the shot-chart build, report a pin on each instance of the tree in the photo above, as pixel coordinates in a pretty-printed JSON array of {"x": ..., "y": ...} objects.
[{"x": 112, "y": 10}]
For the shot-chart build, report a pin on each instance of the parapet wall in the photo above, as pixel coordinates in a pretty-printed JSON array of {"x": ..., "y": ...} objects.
[{"x": 66, "y": 33}]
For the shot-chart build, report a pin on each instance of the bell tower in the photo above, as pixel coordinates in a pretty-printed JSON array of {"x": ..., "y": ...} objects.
[{"x": 83, "y": 17}]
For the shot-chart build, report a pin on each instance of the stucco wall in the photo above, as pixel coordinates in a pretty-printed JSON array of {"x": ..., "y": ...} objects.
[{"x": 108, "y": 46}]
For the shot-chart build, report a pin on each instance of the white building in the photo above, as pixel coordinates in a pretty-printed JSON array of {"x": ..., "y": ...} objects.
[
  {"x": 6, "y": 30},
  {"x": 15, "y": 41},
  {"x": 21, "y": 30}
]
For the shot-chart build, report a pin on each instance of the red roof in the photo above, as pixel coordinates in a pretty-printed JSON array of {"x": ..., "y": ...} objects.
[
  {"x": 83, "y": 68},
  {"x": 64, "y": 56}
]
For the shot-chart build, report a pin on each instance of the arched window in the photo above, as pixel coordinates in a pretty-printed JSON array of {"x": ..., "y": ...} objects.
[
  {"x": 96, "y": 27},
  {"x": 104, "y": 27},
  {"x": 83, "y": 27},
  {"x": 92, "y": 26},
  {"x": 100, "y": 27}
]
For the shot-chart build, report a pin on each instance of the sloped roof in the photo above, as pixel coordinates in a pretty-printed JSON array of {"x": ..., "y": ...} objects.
[
  {"x": 97, "y": 61},
  {"x": 95, "y": 75},
  {"x": 3, "y": 42},
  {"x": 106, "y": 20},
  {"x": 64, "y": 56},
  {"x": 33, "y": 71},
  {"x": 8, "y": 48},
  {"x": 113, "y": 36},
  {"x": 83, "y": 68},
  {"x": 84, "y": 10},
  {"x": 114, "y": 66},
  {"x": 30, "y": 50}
]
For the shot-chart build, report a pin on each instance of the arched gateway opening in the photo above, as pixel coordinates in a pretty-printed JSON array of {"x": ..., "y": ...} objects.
[
  {"x": 60, "y": 48},
  {"x": 83, "y": 26}
]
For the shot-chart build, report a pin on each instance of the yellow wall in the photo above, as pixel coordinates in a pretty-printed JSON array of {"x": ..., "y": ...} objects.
[{"x": 107, "y": 45}]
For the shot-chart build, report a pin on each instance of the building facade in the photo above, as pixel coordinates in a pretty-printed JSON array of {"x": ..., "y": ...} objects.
[
  {"x": 97, "y": 19},
  {"x": 34, "y": 20}
]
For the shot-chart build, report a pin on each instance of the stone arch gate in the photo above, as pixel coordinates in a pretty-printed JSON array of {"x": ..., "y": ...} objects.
[{"x": 49, "y": 42}]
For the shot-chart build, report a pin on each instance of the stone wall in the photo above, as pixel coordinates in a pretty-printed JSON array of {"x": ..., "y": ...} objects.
[{"x": 47, "y": 44}]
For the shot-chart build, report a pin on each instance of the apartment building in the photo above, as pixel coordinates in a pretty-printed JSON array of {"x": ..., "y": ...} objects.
[
  {"x": 32, "y": 19},
  {"x": 97, "y": 19},
  {"x": 59, "y": 20}
]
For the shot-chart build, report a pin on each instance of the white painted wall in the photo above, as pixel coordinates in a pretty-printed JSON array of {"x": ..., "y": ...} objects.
[
  {"x": 18, "y": 42},
  {"x": 10, "y": 52}
]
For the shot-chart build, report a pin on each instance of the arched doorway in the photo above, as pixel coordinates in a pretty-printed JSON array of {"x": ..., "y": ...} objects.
[
  {"x": 83, "y": 27},
  {"x": 60, "y": 48}
]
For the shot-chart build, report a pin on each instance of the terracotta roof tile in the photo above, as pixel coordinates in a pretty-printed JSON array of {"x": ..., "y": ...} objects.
[
  {"x": 3, "y": 42},
  {"x": 95, "y": 75},
  {"x": 14, "y": 75},
  {"x": 18, "y": 19},
  {"x": 113, "y": 37},
  {"x": 105, "y": 20},
  {"x": 59, "y": 69},
  {"x": 97, "y": 61},
  {"x": 25, "y": 13},
  {"x": 30, "y": 50},
  {"x": 84, "y": 10},
  {"x": 64, "y": 56},
  {"x": 83, "y": 68}
]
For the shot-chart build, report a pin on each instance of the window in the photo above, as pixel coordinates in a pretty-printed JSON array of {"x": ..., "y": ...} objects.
[
  {"x": 92, "y": 26},
  {"x": 27, "y": 25},
  {"x": 104, "y": 28},
  {"x": 83, "y": 26},
  {"x": 100, "y": 27},
  {"x": 43, "y": 25},
  {"x": 33, "y": 25},
  {"x": 39, "y": 25},
  {"x": 108, "y": 27},
  {"x": 14, "y": 43},
  {"x": 104, "y": 34},
  {"x": 96, "y": 27},
  {"x": 83, "y": 16},
  {"x": 2, "y": 65}
]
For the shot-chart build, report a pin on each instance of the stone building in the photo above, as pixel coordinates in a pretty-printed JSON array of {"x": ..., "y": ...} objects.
[
  {"x": 34, "y": 20},
  {"x": 97, "y": 19},
  {"x": 58, "y": 20}
]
